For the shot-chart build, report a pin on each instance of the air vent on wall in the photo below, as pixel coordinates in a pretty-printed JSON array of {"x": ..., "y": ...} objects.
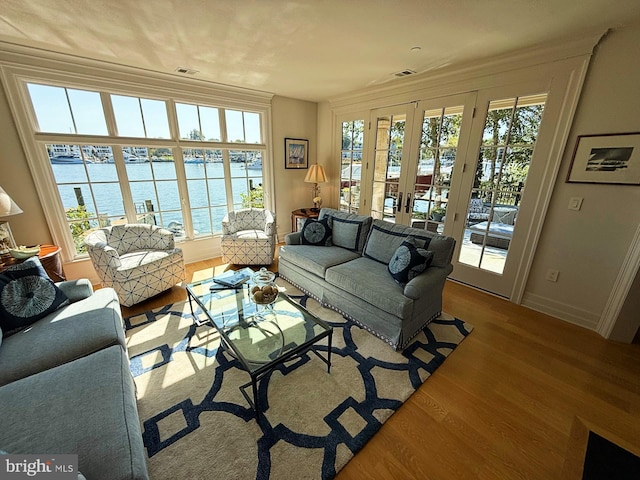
[
  {"x": 188, "y": 71},
  {"x": 404, "y": 73}
]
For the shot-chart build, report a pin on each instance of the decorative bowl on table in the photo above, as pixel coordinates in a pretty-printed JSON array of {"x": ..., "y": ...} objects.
[
  {"x": 264, "y": 294},
  {"x": 264, "y": 290},
  {"x": 23, "y": 252}
]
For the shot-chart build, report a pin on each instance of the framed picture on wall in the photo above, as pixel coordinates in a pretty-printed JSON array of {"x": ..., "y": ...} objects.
[
  {"x": 296, "y": 153},
  {"x": 611, "y": 158}
]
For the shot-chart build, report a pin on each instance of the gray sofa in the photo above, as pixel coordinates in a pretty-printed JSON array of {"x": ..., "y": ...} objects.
[
  {"x": 352, "y": 277},
  {"x": 66, "y": 387}
]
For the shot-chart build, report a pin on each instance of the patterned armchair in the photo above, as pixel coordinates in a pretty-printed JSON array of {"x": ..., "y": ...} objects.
[
  {"x": 137, "y": 260},
  {"x": 249, "y": 237}
]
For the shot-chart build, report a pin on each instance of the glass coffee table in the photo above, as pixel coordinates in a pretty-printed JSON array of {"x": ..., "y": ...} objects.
[{"x": 261, "y": 337}]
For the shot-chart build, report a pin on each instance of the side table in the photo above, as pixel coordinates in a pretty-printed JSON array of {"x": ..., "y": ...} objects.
[
  {"x": 49, "y": 257},
  {"x": 299, "y": 216}
]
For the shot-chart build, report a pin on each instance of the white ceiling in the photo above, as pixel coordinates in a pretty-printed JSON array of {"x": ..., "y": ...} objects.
[{"x": 312, "y": 49}]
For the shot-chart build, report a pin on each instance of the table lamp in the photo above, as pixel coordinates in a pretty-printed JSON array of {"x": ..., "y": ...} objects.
[
  {"x": 316, "y": 175},
  {"x": 7, "y": 208}
]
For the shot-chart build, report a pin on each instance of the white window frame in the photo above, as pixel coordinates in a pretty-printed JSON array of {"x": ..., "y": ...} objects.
[{"x": 18, "y": 69}]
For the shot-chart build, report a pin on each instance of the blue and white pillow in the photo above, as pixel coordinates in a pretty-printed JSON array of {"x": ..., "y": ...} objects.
[
  {"x": 316, "y": 232},
  {"x": 409, "y": 261},
  {"x": 27, "y": 294}
]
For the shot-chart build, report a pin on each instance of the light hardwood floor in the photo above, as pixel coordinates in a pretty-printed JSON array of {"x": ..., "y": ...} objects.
[{"x": 505, "y": 403}]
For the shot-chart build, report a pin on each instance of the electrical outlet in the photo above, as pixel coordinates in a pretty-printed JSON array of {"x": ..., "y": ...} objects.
[
  {"x": 575, "y": 203},
  {"x": 552, "y": 275}
]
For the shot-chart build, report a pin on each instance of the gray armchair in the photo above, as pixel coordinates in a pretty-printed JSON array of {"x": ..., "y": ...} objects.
[{"x": 249, "y": 237}]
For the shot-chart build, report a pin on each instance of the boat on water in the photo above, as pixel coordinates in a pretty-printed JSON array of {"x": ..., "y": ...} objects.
[
  {"x": 66, "y": 159},
  {"x": 193, "y": 160},
  {"x": 178, "y": 229},
  {"x": 255, "y": 165},
  {"x": 133, "y": 159}
]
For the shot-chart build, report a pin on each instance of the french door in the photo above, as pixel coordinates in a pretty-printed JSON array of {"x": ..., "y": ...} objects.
[
  {"x": 458, "y": 165},
  {"x": 392, "y": 127},
  {"x": 415, "y": 160},
  {"x": 498, "y": 187}
]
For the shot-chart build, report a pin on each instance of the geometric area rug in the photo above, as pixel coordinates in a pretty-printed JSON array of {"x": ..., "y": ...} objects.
[{"x": 196, "y": 423}]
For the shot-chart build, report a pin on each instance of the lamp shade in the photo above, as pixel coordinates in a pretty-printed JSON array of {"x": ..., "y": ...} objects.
[
  {"x": 7, "y": 206},
  {"x": 315, "y": 174}
]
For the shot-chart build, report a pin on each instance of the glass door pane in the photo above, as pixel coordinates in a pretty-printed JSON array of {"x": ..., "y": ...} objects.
[
  {"x": 508, "y": 141},
  {"x": 351, "y": 165},
  {"x": 438, "y": 150},
  {"x": 386, "y": 198}
]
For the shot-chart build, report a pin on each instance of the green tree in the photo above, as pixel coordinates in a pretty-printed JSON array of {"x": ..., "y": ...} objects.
[
  {"x": 253, "y": 199},
  {"x": 79, "y": 225},
  {"x": 196, "y": 134},
  {"x": 438, "y": 133},
  {"x": 509, "y": 137}
]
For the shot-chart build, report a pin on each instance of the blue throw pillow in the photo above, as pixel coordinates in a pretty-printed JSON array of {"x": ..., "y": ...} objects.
[
  {"x": 316, "y": 232},
  {"x": 409, "y": 261},
  {"x": 27, "y": 294}
]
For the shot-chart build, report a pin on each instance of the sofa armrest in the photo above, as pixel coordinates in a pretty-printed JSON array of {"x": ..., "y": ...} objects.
[
  {"x": 111, "y": 255},
  {"x": 292, "y": 238},
  {"x": 428, "y": 281},
  {"x": 168, "y": 239},
  {"x": 270, "y": 223},
  {"x": 76, "y": 289},
  {"x": 227, "y": 228}
]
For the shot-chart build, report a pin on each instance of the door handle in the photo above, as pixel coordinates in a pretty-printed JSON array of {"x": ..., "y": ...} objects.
[
  {"x": 397, "y": 206},
  {"x": 408, "y": 205}
]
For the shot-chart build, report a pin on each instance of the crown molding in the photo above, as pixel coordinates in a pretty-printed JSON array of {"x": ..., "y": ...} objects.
[
  {"x": 32, "y": 59},
  {"x": 529, "y": 57}
]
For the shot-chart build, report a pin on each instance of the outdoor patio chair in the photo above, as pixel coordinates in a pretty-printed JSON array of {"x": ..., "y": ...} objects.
[{"x": 477, "y": 212}]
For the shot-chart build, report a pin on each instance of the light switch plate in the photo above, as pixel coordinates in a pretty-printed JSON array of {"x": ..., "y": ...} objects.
[{"x": 575, "y": 203}]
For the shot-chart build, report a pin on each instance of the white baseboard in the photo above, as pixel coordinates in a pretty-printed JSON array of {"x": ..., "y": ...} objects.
[{"x": 561, "y": 310}]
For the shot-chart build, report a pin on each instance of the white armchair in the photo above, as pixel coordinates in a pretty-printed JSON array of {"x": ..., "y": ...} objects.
[
  {"x": 249, "y": 237},
  {"x": 137, "y": 260}
]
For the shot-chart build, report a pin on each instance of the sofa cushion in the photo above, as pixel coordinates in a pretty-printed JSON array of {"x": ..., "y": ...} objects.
[
  {"x": 386, "y": 237},
  {"x": 27, "y": 294},
  {"x": 370, "y": 281},
  {"x": 349, "y": 230},
  {"x": 86, "y": 407},
  {"x": 408, "y": 261},
  {"x": 315, "y": 260},
  {"x": 316, "y": 232},
  {"x": 74, "y": 331}
]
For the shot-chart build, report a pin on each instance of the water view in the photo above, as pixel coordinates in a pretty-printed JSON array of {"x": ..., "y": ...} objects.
[{"x": 155, "y": 193}]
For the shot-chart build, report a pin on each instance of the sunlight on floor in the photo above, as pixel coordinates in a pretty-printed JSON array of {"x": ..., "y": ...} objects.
[{"x": 493, "y": 258}]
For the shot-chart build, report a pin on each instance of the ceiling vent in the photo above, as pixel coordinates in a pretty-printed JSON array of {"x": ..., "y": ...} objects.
[
  {"x": 404, "y": 73},
  {"x": 188, "y": 71}
]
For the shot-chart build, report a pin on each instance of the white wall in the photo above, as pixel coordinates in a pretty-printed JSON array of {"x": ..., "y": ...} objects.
[
  {"x": 29, "y": 228},
  {"x": 589, "y": 246},
  {"x": 292, "y": 119}
]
